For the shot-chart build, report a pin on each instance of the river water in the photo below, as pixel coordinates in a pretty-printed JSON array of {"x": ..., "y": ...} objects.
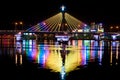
[{"x": 49, "y": 60}]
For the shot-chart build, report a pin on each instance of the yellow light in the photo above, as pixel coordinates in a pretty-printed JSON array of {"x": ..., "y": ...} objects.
[
  {"x": 54, "y": 23},
  {"x": 100, "y": 30},
  {"x": 117, "y": 51},
  {"x": 80, "y": 30},
  {"x": 111, "y": 56},
  {"x": 16, "y": 23},
  {"x": 117, "y": 27},
  {"x": 111, "y": 27},
  {"x": 66, "y": 24},
  {"x": 16, "y": 58},
  {"x": 21, "y": 59},
  {"x": 21, "y": 22},
  {"x": 59, "y": 24},
  {"x": 72, "y": 60},
  {"x": 78, "y": 25},
  {"x": 54, "y": 62}
]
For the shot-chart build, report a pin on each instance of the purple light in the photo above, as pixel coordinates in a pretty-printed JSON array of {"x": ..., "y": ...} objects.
[{"x": 100, "y": 24}]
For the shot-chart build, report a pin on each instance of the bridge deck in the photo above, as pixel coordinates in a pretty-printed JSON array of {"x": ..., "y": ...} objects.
[{"x": 60, "y": 32}]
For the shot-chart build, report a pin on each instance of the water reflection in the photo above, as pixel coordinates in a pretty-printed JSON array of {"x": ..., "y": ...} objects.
[
  {"x": 63, "y": 58},
  {"x": 114, "y": 53},
  {"x": 18, "y": 59},
  {"x": 79, "y": 53}
]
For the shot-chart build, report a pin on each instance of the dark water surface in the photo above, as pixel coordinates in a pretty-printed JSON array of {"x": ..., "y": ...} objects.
[{"x": 49, "y": 60}]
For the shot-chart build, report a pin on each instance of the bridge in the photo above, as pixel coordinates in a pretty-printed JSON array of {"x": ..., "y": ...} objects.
[
  {"x": 61, "y": 23},
  {"x": 10, "y": 32},
  {"x": 59, "y": 32}
]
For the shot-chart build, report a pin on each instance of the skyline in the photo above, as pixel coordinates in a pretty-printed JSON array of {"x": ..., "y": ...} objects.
[{"x": 31, "y": 14}]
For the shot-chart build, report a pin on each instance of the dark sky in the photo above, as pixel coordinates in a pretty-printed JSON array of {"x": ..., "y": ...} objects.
[{"x": 32, "y": 12}]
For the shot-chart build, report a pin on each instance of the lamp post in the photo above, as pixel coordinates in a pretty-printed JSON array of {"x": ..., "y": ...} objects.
[
  {"x": 21, "y": 23},
  {"x": 16, "y": 23},
  {"x": 63, "y": 23}
]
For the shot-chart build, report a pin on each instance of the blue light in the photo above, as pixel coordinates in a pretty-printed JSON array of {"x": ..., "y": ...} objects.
[{"x": 63, "y": 73}]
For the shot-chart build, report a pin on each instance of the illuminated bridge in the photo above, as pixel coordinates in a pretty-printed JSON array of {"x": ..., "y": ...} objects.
[
  {"x": 61, "y": 23},
  {"x": 57, "y": 23}
]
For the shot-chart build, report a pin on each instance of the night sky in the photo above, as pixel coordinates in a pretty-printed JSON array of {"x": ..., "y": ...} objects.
[{"x": 32, "y": 12}]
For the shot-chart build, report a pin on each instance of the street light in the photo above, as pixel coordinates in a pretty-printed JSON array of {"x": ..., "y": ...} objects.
[
  {"x": 20, "y": 23},
  {"x": 63, "y": 8},
  {"x": 16, "y": 25},
  {"x": 117, "y": 27}
]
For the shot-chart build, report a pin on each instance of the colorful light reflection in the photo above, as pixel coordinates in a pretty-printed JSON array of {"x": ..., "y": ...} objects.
[{"x": 79, "y": 53}]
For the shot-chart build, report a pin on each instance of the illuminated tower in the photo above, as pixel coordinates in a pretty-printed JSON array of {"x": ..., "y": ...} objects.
[{"x": 63, "y": 23}]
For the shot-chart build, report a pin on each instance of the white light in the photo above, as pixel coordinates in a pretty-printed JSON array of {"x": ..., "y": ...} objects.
[
  {"x": 114, "y": 37},
  {"x": 26, "y": 33},
  {"x": 63, "y": 38},
  {"x": 63, "y": 8},
  {"x": 96, "y": 36},
  {"x": 63, "y": 73},
  {"x": 80, "y": 30},
  {"x": 30, "y": 42},
  {"x": 30, "y": 33},
  {"x": 93, "y": 30}
]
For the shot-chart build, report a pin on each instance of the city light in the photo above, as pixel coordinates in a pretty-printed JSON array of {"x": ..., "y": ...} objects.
[
  {"x": 18, "y": 24},
  {"x": 21, "y": 22},
  {"x": 117, "y": 27},
  {"x": 111, "y": 27},
  {"x": 63, "y": 8},
  {"x": 53, "y": 24}
]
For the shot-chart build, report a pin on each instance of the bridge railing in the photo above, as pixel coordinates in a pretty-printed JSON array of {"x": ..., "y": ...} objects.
[{"x": 4, "y": 31}]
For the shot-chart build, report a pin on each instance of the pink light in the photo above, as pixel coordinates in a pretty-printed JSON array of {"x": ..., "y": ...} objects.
[
  {"x": 19, "y": 33},
  {"x": 85, "y": 24},
  {"x": 44, "y": 23}
]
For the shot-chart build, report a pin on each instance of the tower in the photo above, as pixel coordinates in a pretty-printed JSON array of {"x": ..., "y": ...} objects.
[{"x": 63, "y": 23}]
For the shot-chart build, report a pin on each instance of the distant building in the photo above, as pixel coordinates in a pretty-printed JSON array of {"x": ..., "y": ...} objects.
[{"x": 96, "y": 27}]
